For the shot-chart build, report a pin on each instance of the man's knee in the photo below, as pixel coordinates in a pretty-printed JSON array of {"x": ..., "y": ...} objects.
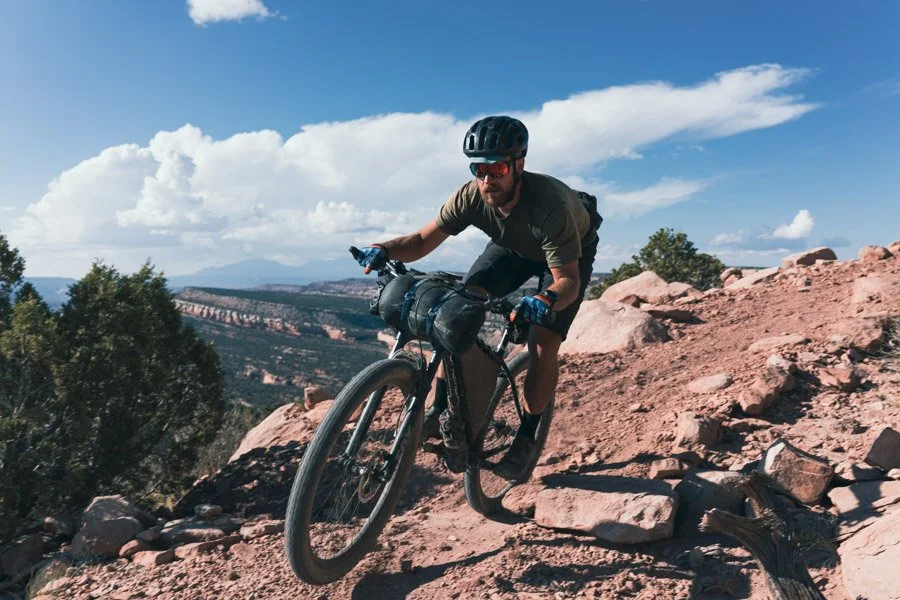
[{"x": 544, "y": 345}]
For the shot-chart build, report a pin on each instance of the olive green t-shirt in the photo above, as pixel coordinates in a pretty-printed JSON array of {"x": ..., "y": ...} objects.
[{"x": 549, "y": 224}]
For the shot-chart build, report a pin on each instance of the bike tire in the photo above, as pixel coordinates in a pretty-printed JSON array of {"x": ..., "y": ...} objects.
[
  {"x": 481, "y": 500},
  {"x": 304, "y": 561}
]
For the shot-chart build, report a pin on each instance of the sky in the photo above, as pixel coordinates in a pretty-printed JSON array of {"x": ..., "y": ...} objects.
[{"x": 198, "y": 133}]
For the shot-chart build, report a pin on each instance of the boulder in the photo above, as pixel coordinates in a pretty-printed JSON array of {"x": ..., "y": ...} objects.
[
  {"x": 885, "y": 450},
  {"x": 775, "y": 342},
  {"x": 695, "y": 430},
  {"x": 135, "y": 546},
  {"x": 314, "y": 395},
  {"x": 105, "y": 538},
  {"x": 150, "y": 535},
  {"x": 289, "y": 422},
  {"x": 648, "y": 286},
  {"x": 603, "y": 326},
  {"x": 702, "y": 490},
  {"x": 617, "y": 517},
  {"x": 730, "y": 273},
  {"x": 845, "y": 379},
  {"x": 23, "y": 553},
  {"x": 765, "y": 389},
  {"x": 894, "y": 248},
  {"x": 262, "y": 528},
  {"x": 808, "y": 257},
  {"x": 754, "y": 279},
  {"x": 153, "y": 558},
  {"x": 869, "y": 559},
  {"x": 873, "y": 253},
  {"x": 796, "y": 473},
  {"x": 710, "y": 383}
]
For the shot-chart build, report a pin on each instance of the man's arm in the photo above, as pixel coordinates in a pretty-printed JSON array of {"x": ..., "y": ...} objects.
[
  {"x": 409, "y": 248},
  {"x": 565, "y": 283}
]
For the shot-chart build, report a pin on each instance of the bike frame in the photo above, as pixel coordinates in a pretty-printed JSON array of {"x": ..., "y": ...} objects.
[{"x": 416, "y": 402}]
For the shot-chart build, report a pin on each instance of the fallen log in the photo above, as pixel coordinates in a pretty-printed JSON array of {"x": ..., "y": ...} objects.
[{"x": 770, "y": 538}]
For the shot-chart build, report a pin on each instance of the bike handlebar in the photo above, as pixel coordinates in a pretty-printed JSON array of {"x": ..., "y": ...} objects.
[{"x": 497, "y": 305}]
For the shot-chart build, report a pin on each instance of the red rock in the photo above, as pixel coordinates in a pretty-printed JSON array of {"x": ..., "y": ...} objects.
[
  {"x": 153, "y": 558},
  {"x": 885, "y": 450},
  {"x": 808, "y": 257},
  {"x": 873, "y": 253},
  {"x": 696, "y": 430},
  {"x": 799, "y": 474}
]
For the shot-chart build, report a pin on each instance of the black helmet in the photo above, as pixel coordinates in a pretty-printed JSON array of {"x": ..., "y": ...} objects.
[{"x": 496, "y": 138}]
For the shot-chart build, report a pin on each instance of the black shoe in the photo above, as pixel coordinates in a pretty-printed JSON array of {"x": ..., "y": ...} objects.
[{"x": 521, "y": 454}]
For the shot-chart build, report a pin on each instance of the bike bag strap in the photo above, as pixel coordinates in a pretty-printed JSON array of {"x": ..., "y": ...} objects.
[
  {"x": 429, "y": 320},
  {"x": 408, "y": 300}
]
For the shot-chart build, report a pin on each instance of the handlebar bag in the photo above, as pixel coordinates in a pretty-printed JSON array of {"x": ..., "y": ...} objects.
[{"x": 432, "y": 311}]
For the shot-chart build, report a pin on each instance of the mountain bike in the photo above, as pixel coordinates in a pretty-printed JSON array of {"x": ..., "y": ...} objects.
[{"x": 357, "y": 464}]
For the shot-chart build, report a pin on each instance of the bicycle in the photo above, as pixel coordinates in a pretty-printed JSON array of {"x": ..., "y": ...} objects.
[{"x": 343, "y": 484}]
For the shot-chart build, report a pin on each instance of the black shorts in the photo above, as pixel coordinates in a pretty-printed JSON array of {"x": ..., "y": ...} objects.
[{"x": 501, "y": 271}]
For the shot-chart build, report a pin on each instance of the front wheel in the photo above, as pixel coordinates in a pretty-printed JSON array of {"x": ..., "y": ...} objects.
[
  {"x": 349, "y": 480},
  {"x": 484, "y": 489}
]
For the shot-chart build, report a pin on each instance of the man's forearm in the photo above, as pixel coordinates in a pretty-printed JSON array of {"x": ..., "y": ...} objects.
[
  {"x": 566, "y": 289},
  {"x": 406, "y": 248}
]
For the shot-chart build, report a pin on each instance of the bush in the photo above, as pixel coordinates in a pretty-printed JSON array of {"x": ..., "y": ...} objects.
[
  {"x": 671, "y": 256},
  {"x": 113, "y": 394}
]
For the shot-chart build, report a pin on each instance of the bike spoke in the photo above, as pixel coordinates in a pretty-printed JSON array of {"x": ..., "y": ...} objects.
[{"x": 352, "y": 485}]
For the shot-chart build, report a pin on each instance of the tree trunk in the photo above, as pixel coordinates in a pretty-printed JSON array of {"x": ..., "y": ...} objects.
[{"x": 770, "y": 538}]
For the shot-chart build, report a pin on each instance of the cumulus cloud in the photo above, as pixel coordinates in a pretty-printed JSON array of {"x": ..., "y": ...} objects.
[
  {"x": 211, "y": 11},
  {"x": 800, "y": 227},
  {"x": 788, "y": 237},
  {"x": 188, "y": 199}
]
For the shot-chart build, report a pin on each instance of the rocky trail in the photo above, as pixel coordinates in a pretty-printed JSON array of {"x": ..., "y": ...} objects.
[{"x": 793, "y": 371}]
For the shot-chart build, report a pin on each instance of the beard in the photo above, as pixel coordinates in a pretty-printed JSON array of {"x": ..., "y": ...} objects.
[{"x": 498, "y": 198}]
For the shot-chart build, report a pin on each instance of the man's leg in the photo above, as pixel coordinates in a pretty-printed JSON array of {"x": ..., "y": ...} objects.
[
  {"x": 540, "y": 381},
  {"x": 497, "y": 271}
]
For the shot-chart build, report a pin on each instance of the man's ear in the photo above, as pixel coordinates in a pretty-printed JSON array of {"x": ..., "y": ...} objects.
[{"x": 520, "y": 165}]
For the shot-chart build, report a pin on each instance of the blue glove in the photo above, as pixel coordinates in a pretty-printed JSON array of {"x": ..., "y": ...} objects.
[
  {"x": 372, "y": 258},
  {"x": 533, "y": 308}
]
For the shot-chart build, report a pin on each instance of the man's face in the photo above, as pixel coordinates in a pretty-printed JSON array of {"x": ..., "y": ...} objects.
[{"x": 497, "y": 190}]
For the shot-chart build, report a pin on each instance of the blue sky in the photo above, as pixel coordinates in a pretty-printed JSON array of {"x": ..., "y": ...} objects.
[{"x": 200, "y": 133}]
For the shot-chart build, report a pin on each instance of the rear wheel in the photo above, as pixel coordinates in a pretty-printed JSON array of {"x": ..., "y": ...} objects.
[
  {"x": 343, "y": 495},
  {"x": 484, "y": 489}
]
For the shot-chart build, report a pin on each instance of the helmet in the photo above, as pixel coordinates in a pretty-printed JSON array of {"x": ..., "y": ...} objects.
[{"x": 496, "y": 138}]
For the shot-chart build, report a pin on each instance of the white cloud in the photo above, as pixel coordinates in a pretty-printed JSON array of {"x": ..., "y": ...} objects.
[
  {"x": 211, "y": 11},
  {"x": 800, "y": 227},
  {"x": 189, "y": 200},
  {"x": 792, "y": 236}
]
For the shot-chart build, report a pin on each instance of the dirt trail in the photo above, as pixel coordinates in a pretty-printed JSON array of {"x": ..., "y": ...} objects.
[{"x": 439, "y": 548}]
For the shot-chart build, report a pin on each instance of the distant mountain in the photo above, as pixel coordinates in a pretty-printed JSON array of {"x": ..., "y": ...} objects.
[
  {"x": 255, "y": 272},
  {"x": 54, "y": 290}
]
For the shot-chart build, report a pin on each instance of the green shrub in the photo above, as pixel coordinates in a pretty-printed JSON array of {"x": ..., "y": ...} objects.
[{"x": 671, "y": 256}]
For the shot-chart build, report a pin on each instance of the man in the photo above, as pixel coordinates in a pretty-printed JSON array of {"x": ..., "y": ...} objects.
[{"x": 536, "y": 224}]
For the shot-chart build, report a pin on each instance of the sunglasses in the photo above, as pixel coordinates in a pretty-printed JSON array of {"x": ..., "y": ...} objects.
[{"x": 495, "y": 169}]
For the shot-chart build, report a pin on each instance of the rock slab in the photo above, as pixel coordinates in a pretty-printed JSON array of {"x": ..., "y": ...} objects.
[
  {"x": 602, "y": 326},
  {"x": 870, "y": 557},
  {"x": 799, "y": 474},
  {"x": 617, "y": 517},
  {"x": 885, "y": 451}
]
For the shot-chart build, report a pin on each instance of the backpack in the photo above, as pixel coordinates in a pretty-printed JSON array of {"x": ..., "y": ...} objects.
[{"x": 590, "y": 204}]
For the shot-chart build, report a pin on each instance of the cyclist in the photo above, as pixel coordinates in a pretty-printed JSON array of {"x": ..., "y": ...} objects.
[{"x": 537, "y": 224}]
